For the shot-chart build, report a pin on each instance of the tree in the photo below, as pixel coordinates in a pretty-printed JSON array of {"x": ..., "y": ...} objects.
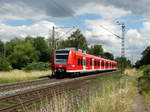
[
  {"x": 146, "y": 56},
  {"x": 76, "y": 40},
  {"x": 96, "y": 50},
  {"x": 29, "y": 39},
  {"x": 145, "y": 60},
  {"x": 41, "y": 46},
  {"x": 4, "y": 64},
  {"x": 23, "y": 53},
  {"x": 108, "y": 55},
  {"x": 11, "y": 44},
  {"x": 1, "y": 48}
]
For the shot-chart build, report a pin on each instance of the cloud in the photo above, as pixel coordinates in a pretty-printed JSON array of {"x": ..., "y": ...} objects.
[
  {"x": 137, "y": 41},
  {"x": 107, "y": 12},
  {"x": 36, "y": 9},
  {"x": 41, "y": 28}
]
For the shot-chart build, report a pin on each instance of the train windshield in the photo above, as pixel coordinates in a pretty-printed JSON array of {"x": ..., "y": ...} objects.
[{"x": 61, "y": 57}]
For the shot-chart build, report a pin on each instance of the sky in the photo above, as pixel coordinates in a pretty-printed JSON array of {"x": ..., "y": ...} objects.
[{"x": 21, "y": 18}]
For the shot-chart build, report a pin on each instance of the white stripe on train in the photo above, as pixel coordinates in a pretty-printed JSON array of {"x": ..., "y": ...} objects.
[{"x": 70, "y": 71}]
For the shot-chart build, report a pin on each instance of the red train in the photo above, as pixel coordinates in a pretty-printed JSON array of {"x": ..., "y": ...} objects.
[{"x": 76, "y": 62}]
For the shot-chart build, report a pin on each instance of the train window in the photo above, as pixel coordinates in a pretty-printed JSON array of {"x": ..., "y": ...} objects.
[
  {"x": 102, "y": 63},
  {"x": 91, "y": 62},
  {"x": 78, "y": 61},
  {"x": 94, "y": 63},
  {"x": 81, "y": 61},
  {"x": 98, "y": 63},
  {"x": 86, "y": 62}
]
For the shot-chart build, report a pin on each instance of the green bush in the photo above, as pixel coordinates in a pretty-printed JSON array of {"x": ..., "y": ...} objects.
[
  {"x": 4, "y": 64},
  {"x": 37, "y": 66},
  {"x": 144, "y": 81},
  {"x": 146, "y": 70}
]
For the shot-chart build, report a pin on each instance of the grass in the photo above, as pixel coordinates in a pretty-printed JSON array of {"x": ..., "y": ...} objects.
[
  {"x": 113, "y": 93},
  {"x": 19, "y": 75},
  {"x": 116, "y": 95}
]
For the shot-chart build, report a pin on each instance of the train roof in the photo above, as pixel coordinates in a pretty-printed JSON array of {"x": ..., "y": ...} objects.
[{"x": 84, "y": 53}]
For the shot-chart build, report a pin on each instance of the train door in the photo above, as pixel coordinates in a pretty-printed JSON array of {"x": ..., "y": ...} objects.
[
  {"x": 92, "y": 64},
  {"x": 104, "y": 64},
  {"x": 100, "y": 64}
]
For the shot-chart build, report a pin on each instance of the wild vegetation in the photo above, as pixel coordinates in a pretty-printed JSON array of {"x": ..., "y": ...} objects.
[
  {"x": 19, "y": 75},
  {"x": 144, "y": 83}
]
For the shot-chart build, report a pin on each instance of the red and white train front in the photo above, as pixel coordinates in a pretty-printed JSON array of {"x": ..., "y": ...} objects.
[{"x": 73, "y": 61}]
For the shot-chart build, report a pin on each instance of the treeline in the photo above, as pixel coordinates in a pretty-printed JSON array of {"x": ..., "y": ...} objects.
[
  {"x": 144, "y": 65},
  {"x": 33, "y": 53},
  {"x": 18, "y": 53}
]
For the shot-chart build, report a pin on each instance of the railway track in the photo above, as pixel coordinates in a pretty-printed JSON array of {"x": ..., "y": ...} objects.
[
  {"x": 17, "y": 85},
  {"x": 14, "y": 88},
  {"x": 16, "y": 102}
]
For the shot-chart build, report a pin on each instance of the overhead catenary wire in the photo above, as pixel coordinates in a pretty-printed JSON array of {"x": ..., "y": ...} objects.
[
  {"x": 110, "y": 32},
  {"x": 70, "y": 30}
]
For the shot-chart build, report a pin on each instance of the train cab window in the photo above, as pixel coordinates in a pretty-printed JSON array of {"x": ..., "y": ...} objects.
[
  {"x": 61, "y": 56},
  {"x": 62, "y": 52}
]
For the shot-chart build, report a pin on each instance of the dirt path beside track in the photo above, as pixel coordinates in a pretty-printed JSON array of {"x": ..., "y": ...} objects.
[{"x": 139, "y": 104}]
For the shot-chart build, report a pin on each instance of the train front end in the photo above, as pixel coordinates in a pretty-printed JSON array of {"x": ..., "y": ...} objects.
[{"x": 60, "y": 61}]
